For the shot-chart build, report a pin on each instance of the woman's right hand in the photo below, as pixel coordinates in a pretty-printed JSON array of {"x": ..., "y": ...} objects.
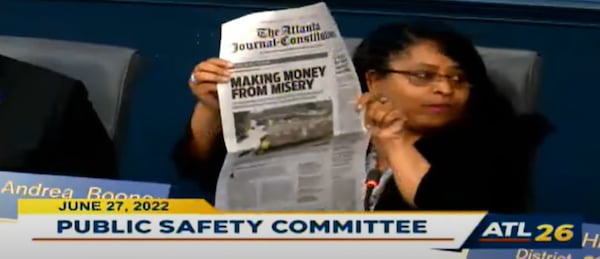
[
  {"x": 204, "y": 79},
  {"x": 206, "y": 119}
]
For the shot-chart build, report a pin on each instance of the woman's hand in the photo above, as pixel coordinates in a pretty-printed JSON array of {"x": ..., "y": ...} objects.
[
  {"x": 205, "y": 77},
  {"x": 384, "y": 121},
  {"x": 394, "y": 144},
  {"x": 206, "y": 120}
]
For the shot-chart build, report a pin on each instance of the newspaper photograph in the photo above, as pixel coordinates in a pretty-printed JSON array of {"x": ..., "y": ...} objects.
[
  {"x": 276, "y": 128},
  {"x": 287, "y": 112}
]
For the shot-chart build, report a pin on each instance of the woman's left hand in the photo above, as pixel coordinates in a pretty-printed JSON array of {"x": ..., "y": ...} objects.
[
  {"x": 394, "y": 144},
  {"x": 382, "y": 118},
  {"x": 384, "y": 121}
]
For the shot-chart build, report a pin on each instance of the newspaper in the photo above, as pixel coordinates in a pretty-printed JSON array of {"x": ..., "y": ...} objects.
[{"x": 294, "y": 138}]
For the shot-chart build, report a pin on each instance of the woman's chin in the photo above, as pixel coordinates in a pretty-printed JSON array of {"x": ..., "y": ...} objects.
[{"x": 427, "y": 125}]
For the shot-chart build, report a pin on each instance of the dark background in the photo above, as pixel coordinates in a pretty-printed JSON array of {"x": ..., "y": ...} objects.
[{"x": 175, "y": 35}]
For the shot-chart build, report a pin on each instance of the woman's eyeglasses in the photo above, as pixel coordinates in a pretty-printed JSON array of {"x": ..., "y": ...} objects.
[{"x": 428, "y": 78}]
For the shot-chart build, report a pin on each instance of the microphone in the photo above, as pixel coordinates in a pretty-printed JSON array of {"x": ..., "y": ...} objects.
[{"x": 371, "y": 182}]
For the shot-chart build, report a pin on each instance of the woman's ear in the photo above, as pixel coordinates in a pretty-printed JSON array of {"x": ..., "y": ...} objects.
[{"x": 372, "y": 80}]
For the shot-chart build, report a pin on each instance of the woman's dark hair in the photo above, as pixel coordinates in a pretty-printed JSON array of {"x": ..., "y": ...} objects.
[{"x": 375, "y": 51}]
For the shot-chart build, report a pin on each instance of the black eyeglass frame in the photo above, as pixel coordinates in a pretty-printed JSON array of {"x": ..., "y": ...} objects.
[{"x": 413, "y": 76}]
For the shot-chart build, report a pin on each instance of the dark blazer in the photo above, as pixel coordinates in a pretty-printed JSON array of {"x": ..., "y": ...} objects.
[
  {"x": 203, "y": 172},
  {"x": 474, "y": 166},
  {"x": 48, "y": 126}
]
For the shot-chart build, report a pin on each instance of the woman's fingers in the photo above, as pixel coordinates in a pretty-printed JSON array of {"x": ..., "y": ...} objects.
[
  {"x": 388, "y": 132},
  {"x": 376, "y": 113},
  {"x": 205, "y": 77},
  {"x": 212, "y": 66},
  {"x": 379, "y": 111},
  {"x": 220, "y": 62},
  {"x": 390, "y": 118},
  {"x": 362, "y": 101}
]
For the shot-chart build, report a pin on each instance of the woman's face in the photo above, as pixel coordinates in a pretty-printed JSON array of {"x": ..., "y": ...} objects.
[{"x": 427, "y": 86}]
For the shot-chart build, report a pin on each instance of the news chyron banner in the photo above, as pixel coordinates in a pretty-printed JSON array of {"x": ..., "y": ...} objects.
[
  {"x": 16, "y": 185},
  {"x": 163, "y": 228}
]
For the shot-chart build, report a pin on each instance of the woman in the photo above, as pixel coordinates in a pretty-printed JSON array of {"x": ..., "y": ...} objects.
[{"x": 445, "y": 137}]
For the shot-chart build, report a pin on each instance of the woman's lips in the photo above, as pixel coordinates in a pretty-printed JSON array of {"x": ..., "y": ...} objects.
[{"x": 439, "y": 107}]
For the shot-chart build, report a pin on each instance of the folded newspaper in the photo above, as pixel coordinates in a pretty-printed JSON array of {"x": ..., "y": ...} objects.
[{"x": 294, "y": 138}]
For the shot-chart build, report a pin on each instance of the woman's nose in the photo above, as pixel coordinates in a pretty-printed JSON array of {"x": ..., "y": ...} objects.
[{"x": 443, "y": 87}]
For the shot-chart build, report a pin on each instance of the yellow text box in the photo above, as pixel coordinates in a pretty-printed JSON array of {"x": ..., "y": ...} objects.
[{"x": 121, "y": 206}]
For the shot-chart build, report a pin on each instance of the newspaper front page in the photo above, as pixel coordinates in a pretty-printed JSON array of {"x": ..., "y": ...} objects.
[{"x": 294, "y": 138}]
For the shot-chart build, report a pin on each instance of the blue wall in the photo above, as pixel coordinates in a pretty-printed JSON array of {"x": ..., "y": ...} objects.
[{"x": 176, "y": 36}]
